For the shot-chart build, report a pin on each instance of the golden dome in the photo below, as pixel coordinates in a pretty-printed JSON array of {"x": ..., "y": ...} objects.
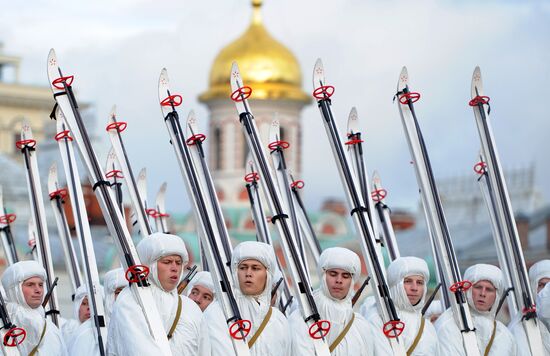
[{"x": 265, "y": 64}]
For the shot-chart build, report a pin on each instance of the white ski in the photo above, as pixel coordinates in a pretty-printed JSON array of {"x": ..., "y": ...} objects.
[{"x": 6, "y": 235}]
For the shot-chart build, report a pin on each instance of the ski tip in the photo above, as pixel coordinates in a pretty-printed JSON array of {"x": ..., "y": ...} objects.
[
  {"x": 275, "y": 130},
  {"x": 52, "y": 178},
  {"x": 376, "y": 182},
  {"x": 403, "y": 79},
  {"x": 52, "y": 58},
  {"x": 191, "y": 128},
  {"x": 26, "y": 131},
  {"x": 235, "y": 77},
  {"x": 142, "y": 174},
  {"x": 353, "y": 121},
  {"x": 163, "y": 187},
  {"x": 112, "y": 114},
  {"x": 163, "y": 80},
  {"x": 318, "y": 74},
  {"x": 477, "y": 83}
]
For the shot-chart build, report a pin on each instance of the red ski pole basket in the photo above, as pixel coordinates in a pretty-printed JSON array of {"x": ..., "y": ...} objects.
[
  {"x": 241, "y": 94},
  {"x": 319, "y": 329},
  {"x": 14, "y": 337},
  {"x": 137, "y": 273},
  {"x": 393, "y": 328},
  {"x": 240, "y": 329}
]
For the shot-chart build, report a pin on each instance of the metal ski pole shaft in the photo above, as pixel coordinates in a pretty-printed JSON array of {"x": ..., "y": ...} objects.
[
  {"x": 161, "y": 217},
  {"x": 27, "y": 146},
  {"x": 318, "y": 328},
  {"x": 114, "y": 175},
  {"x": 136, "y": 273},
  {"x": 83, "y": 232}
]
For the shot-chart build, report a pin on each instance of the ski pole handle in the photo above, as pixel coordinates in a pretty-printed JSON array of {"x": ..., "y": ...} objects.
[
  {"x": 357, "y": 294},
  {"x": 274, "y": 290}
]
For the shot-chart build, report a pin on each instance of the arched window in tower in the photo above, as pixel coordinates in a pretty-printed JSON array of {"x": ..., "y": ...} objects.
[{"x": 217, "y": 148}]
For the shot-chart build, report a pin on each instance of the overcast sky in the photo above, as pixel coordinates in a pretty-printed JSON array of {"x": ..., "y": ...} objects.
[{"x": 117, "y": 48}]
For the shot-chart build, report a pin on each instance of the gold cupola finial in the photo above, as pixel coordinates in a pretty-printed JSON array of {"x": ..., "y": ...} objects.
[{"x": 266, "y": 65}]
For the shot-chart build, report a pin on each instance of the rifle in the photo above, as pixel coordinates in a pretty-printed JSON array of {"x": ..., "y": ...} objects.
[
  {"x": 357, "y": 294},
  {"x": 430, "y": 300},
  {"x": 49, "y": 294},
  {"x": 185, "y": 282},
  {"x": 275, "y": 287},
  {"x": 502, "y": 299}
]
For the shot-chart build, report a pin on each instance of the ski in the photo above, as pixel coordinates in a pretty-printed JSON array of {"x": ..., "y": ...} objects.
[
  {"x": 114, "y": 175},
  {"x": 505, "y": 215},
  {"x": 83, "y": 232},
  {"x": 27, "y": 147},
  {"x": 161, "y": 216},
  {"x": 392, "y": 327},
  {"x": 378, "y": 194},
  {"x": 306, "y": 227},
  {"x": 318, "y": 328},
  {"x": 276, "y": 148},
  {"x": 115, "y": 128},
  {"x": 57, "y": 200},
  {"x": 6, "y": 235},
  {"x": 504, "y": 260},
  {"x": 435, "y": 216},
  {"x": 31, "y": 240},
  {"x": 354, "y": 146},
  {"x": 260, "y": 222},
  {"x": 141, "y": 184},
  {"x": 136, "y": 273},
  {"x": 211, "y": 229}
]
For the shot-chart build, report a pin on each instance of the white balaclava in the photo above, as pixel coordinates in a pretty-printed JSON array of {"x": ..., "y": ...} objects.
[
  {"x": 79, "y": 295},
  {"x": 538, "y": 271},
  {"x": 342, "y": 258},
  {"x": 203, "y": 279},
  {"x": 15, "y": 275},
  {"x": 259, "y": 251},
  {"x": 156, "y": 246},
  {"x": 543, "y": 305},
  {"x": 112, "y": 280},
  {"x": 398, "y": 270},
  {"x": 484, "y": 272}
]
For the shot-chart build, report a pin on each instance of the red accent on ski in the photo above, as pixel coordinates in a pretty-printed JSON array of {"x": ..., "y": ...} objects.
[
  {"x": 278, "y": 144},
  {"x": 298, "y": 184},
  {"x": 393, "y": 328},
  {"x": 58, "y": 83},
  {"x": 378, "y": 194},
  {"x": 31, "y": 243},
  {"x": 240, "y": 329},
  {"x": 241, "y": 94},
  {"x": 119, "y": 126},
  {"x": 25, "y": 143},
  {"x": 195, "y": 138},
  {"x": 323, "y": 92},
  {"x": 407, "y": 98},
  {"x": 462, "y": 286},
  {"x": 115, "y": 173},
  {"x": 480, "y": 99},
  {"x": 137, "y": 273},
  {"x": 8, "y": 218},
  {"x": 152, "y": 213},
  {"x": 252, "y": 177},
  {"x": 480, "y": 168},
  {"x": 63, "y": 134},
  {"x": 175, "y": 100},
  {"x": 319, "y": 329},
  {"x": 62, "y": 193},
  {"x": 13, "y": 334},
  {"x": 354, "y": 141},
  {"x": 531, "y": 310}
]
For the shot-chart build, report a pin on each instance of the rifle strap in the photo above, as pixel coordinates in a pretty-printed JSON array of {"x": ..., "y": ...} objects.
[
  {"x": 341, "y": 336},
  {"x": 176, "y": 319},
  {"x": 258, "y": 332},
  {"x": 492, "y": 339},
  {"x": 416, "y": 340},
  {"x": 35, "y": 349}
]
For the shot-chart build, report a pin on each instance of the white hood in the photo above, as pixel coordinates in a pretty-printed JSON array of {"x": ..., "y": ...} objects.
[
  {"x": 15, "y": 275},
  {"x": 538, "y": 271},
  {"x": 398, "y": 270},
  {"x": 484, "y": 272},
  {"x": 203, "y": 279},
  {"x": 112, "y": 280},
  {"x": 158, "y": 245}
]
